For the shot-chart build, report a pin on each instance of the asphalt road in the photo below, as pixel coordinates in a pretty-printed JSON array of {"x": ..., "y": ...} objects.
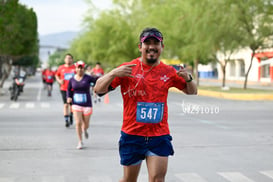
[{"x": 215, "y": 140}]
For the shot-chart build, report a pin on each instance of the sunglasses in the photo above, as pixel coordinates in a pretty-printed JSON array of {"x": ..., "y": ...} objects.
[
  {"x": 152, "y": 33},
  {"x": 155, "y": 34}
]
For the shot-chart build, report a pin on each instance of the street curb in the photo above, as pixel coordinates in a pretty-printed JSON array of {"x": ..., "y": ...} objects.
[{"x": 231, "y": 96}]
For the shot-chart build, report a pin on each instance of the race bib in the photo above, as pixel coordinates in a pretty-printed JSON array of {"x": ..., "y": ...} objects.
[
  {"x": 79, "y": 98},
  {"x": 49, "y": 77},
  {"x": 67, "y": 76},
  {"x": 149, "y": 112}
]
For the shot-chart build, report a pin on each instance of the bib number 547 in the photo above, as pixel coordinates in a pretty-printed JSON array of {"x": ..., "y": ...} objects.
[{"x": 149, "y": 112}]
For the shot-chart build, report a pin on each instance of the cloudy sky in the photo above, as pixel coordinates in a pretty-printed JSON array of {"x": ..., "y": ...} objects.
[{"x": 61, "y": 15}]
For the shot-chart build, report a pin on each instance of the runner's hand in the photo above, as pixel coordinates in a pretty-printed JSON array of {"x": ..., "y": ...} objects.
[
  {"x": 183, "y": 73},
  {"x": 61, "y": 82},
  {"x": 125, "y": 70},
  {"x": 69, "y": 100}
]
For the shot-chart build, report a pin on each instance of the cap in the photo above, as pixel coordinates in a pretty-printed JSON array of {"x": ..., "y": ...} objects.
[
  {"x": 151, "y": 32},
  {"x": 80, "y": 63}
]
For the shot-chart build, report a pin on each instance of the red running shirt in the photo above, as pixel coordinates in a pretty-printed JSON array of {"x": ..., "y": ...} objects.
[
  {"x": 43, "y": 74},
  {"x": 98, "y": 72},
  {"x": 49, "y": 76},
  {"x": 145, "y": 98},
  {"x": 65, "y": 73}
]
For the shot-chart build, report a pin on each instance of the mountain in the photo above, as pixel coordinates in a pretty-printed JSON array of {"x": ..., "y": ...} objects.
[
  {"x": 51, "y": 42},
  {"x": 60, "y": 39}
]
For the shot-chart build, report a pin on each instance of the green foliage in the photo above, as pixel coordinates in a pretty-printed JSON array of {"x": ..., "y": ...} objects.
[
  {"x": 28, "y": 61},
  {"x": 56, "y": 59},
  {"x": 18, "y": 31},
  {"x": 110, "y": 41},
  {"x": 255, "y": 18},
  {"x": 9, "y": 28},
  {"x": 193, "y": 30}
]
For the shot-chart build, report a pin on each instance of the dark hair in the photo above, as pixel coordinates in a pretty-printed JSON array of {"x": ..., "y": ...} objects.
[
  {"x": 68, "y": 54},
  {"x": 149, "y": 29}
]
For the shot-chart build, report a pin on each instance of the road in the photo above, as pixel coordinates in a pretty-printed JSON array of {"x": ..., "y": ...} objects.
[{"x": 215, "y": 140}]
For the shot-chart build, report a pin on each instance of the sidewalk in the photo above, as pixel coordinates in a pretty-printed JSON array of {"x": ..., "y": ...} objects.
[
  {"x": 234, "y": 96},
  {"x": 236, "y": 83}
]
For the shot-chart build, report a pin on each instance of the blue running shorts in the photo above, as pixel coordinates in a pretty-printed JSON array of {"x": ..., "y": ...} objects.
[{"x": 133, "y": 149}]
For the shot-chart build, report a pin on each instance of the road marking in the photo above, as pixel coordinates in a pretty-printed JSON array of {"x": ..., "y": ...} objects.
[
  {"x": 3, "y": 179},
  {"x": 190, "y": 177},
  {"x": 14, "y": 105},
  {"x": 53, "y": 179},
  {"x": 99, "y": 179},
  {"x": 39, "y": 93},
  {"x": 45, "y": 105},
  {"x": 267, "y": 173},
  {"x": 184, "y": 177},
  {"x": 235, "y": 177},
  {"x": 30, "y": 105}
]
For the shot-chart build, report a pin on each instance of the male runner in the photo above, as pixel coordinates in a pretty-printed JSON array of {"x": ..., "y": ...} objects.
[
  {"x": 63, "y": 75},
  {"x": 144, "y": 83}
]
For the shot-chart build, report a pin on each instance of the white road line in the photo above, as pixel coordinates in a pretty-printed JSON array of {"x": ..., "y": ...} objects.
[
  {"x": 53, "y": 179},
  {"x": 30, "y": 105},
  {"x": 39, "y": 93},
  {"x": 14, "y": 105},
  {"x": 267, "y": 173},
  {"x": 45, "y": 105},
  {"x": 235, "y": 177},
  {"x": 190, "y": 177},
  {"x": 3, "y": 179},
  {"x": 99, "y": 179},
  {"x": 1, "y": 106}
]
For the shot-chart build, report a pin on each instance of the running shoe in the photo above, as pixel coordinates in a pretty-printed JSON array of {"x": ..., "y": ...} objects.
[
  {"x": 86, "y": 134},
  {"x": 66, "y": 124},
  {"x": 80, "y": 145}
]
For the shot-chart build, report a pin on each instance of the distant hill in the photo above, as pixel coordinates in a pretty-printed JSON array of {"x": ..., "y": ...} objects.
[{"x": 61, "y": 39}]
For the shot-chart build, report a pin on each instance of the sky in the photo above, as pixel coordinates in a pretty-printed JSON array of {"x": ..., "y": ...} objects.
[{"x": 61, "y": 15}]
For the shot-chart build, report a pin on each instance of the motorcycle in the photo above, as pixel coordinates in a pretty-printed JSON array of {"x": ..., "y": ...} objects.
[{"x": 17, "y": 87}]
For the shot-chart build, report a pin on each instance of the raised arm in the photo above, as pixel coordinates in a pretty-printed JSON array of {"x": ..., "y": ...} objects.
[
  {"x": 104, "y": 82},
  {"x": 191, "y": 87}
]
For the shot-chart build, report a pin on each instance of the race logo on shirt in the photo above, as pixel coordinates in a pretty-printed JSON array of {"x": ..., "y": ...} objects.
[
  {"x": 139, "y": 76},
  {"x": 164, "y": 78}
]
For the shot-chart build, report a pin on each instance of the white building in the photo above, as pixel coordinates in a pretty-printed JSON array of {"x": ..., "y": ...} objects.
[{"x": 261, "y": 69}]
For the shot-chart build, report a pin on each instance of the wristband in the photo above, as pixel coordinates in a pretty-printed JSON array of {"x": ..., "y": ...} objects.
[{"x": 189, "y": 79}]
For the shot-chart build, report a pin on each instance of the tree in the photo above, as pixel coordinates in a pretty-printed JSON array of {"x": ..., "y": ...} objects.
[
  {"x": 225, "y": 39},
  {"x": 191, "y": 32},
  {"x": 18, "y": 35},
  {"x": 255, "y": 18},
  {"x": 57, "y": 58},
  {"x": 108, "y": 39},
  {"x": 196, "y": 26}
]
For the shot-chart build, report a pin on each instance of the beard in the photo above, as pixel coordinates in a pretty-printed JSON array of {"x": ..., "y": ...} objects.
[{"x": 151, "y": 60}]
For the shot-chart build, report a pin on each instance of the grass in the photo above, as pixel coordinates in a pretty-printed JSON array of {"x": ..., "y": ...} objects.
[{"x": 236, "y": 90}]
